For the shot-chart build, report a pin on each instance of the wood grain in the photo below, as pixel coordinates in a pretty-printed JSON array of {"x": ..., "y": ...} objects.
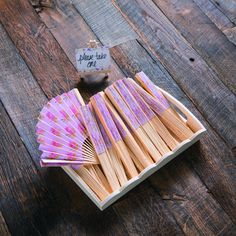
[
  {"x": 214, "y": 14},
  {"x": 210, "y": 43},
  {"x": 105, "y": 21},
  {"x": 189, "y": 196},
  {"x": 42, "y": 53},
  {"x": 19, "y": 92},
  {"x": 3, "y": 226},
  {"x": 218, "y": 18},
  {"x": 228, "y": 8},
  {"x": 132, "y": 61},
  {"x": 231, "y": 34},
  {"x": 54, "y": 204},
  {"x": 145, "y": 202},
  {"x": 188, "y": 69}
]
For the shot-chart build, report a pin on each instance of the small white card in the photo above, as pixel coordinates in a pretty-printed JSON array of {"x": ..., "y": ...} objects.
[{"x": 90, "y": 60}]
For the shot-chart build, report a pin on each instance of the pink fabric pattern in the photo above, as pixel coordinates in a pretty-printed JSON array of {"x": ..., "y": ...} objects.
[
  {"x": 131, "y": 102},
  {"x": 104, "y": 112},
  {"x": 143, "y": 105},
  {"x": 153, "y": 90},
  {"x": 133, "y": 123},
  {"x": 61, "y": 134}
]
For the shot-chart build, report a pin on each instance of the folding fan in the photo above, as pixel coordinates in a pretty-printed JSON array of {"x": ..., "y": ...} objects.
[{"x": 61, "y": 134}]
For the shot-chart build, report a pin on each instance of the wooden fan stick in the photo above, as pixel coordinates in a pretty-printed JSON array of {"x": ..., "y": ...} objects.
[
  {"x": 99, "y": 145},
  {"x": 131, "y": 120},
  {"x": 51, "y": 157},
  {"x": 151, "y": 88},
  {"x": 141, "y": 117},
  {"x": 131, "y": 144},
  {"x": 92, "y": 182},
  {"x": 113, "y": 133},
  {"x": 172, "y": 122},
  {"x": 115, "y": 160},
  {"x": 99, "y": 176},
  {"x": 139, "y": 156},
  {"x": 153, "y": 119},
  {"x": 135, "y": 160},
  {"x": 78, "y": 101},
  {"x": 45, "y": 141},
  {"x": 49, "y": 152},
  {"x": 58, "y": 162},
  {"x": 54, "y": 149}
]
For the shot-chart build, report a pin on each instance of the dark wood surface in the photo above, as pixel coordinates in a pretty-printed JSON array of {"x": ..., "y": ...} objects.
[{"x": 187, "y": 47}]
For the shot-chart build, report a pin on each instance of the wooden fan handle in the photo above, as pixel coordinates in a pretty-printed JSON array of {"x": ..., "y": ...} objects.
[{"x": 126, "y": 135}]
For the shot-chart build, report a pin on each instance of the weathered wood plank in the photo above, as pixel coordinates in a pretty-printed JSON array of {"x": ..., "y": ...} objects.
[
  {"x": 148, "y": 213},
  {"x": 53, "y": 203},
  {"x": 113, "y": 29},
  {"x": 231, "y": 34},
  {"x": 38, "y": 47},
  {"x": 19, "y": 92},
  {"x": 218, "y": 18},
  {"x": 228, "y": 8},
  {"x": 3, "y": 226},
  {"x": 132, "y": 61},
  {"x": 205, "y": 38},
  {"x": 189, "y": 196},
  {"x": 188, "y": 69},
  {"x": 214, "y": 14}
]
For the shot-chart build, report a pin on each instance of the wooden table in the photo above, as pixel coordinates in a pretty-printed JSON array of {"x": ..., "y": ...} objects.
[{"x": 186, "y": 47}]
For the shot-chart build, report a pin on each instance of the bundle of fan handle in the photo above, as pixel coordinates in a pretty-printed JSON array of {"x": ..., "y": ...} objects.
[{"x": 110, "y": 140}]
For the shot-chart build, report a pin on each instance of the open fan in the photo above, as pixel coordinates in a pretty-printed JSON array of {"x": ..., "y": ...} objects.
[{"x": 61, "y": 134}]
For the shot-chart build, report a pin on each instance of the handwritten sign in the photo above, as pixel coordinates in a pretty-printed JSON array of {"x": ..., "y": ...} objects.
[{"x": 91, "y": 60}]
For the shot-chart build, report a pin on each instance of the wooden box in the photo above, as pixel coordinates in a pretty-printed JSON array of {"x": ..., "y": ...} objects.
[{"x": 192, "y": 122}]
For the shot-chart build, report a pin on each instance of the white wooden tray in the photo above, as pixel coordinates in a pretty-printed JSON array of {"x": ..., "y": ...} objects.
[{"x": 192, "y": 122}]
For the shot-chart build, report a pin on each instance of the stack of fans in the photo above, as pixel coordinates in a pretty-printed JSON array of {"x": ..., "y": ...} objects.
[{"x": 114, "y": 137}]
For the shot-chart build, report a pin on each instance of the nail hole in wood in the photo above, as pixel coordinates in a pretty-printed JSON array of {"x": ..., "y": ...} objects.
[{"x": 191, "y": 59}]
